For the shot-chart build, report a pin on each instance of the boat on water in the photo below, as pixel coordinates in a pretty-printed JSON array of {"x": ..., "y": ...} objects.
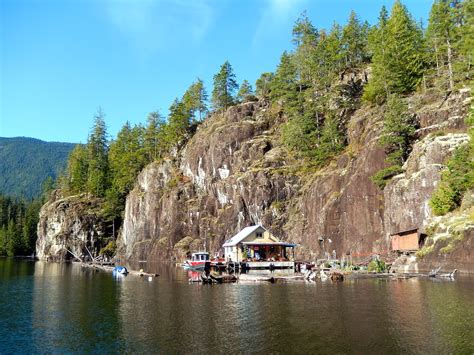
[
  {"x": 198, "y": 261},
  {"x": 120, "y": 270}
]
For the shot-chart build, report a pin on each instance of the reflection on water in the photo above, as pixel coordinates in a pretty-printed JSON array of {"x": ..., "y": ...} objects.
[{"x": 63, "y": 308}]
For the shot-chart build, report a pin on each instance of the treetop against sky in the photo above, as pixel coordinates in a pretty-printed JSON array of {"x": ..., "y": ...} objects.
[{"x": 60, "y": 60}]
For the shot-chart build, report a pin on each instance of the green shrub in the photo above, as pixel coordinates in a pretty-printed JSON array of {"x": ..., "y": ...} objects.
[
  {"x": 443, "y": 200},
  {"x": 455, "y": 180},
  {"x": 427, "y": 249},
  {"x": 109, "y": 250},
  {"x": 377, "y": 265},
  {"x": 373, "y": 95}
]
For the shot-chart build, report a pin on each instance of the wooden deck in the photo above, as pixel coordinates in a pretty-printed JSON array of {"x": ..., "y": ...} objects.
[{"x": 268, "y": 265}]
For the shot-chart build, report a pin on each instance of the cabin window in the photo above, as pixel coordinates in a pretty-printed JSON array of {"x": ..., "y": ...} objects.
[{"x": 259, "y": 235}]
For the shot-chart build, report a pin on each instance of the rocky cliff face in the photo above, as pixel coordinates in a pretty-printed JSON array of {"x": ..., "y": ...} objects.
[
  {"x": 234, "y": 172},
  {"x": 67, "y": 226},
  {"x": 229, "y": 175},
  {"x": 406, "y": 197}
]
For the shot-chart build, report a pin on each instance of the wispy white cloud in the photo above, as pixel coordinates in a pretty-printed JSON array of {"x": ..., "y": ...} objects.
[
  {"x": 151, "y": 25},
  {"x": 276, "y": 13}
]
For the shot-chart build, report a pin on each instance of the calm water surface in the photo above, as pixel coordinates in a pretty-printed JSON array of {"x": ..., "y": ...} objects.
[{"x": 48, "y": 307}]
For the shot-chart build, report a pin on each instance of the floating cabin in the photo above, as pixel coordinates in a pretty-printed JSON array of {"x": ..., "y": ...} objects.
[
  {"x": 259, "y": 249},
  {"x": 408, "y": 241}
]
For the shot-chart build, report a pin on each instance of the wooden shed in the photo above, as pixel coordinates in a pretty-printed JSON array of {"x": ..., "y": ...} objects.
[{"x": 407, "y": 241}]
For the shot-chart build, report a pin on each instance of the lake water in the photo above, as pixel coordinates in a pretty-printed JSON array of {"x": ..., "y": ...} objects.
[{"x": 49, "y": 307}]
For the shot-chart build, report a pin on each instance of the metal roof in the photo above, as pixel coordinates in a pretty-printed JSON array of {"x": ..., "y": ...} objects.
[
  {"x": 271, "y": 243},
  {"x": 244, "y": 233}
]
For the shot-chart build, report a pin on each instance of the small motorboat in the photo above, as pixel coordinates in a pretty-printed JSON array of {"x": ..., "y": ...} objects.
[
  {"x": 120, "y": 270},
  {"x": 198, "y": 261}
]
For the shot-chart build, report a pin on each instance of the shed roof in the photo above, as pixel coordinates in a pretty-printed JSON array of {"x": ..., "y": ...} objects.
[
  {"x": 405, "y": 232},
  {"x": 244, "y": 233}
]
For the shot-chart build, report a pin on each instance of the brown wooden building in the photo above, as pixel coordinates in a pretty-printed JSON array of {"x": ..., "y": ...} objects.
[{"x": 407, "y": 241}]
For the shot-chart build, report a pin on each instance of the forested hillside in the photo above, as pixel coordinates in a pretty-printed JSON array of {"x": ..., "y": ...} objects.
[{"x": 25, "y": 163}]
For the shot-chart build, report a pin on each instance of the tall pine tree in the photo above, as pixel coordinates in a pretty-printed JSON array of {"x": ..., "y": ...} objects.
[
  {"x": 224, "y": 87},
  {"x": 401, "y": 65},
  {"x": 263, "y": 84},
  {"x": 305, "y": 39},
  {"x": 97, "y": 149},
  {"x": 77, "y": 171},
  {"x": 178, "y": 122},
  {"x": 377, "y": 89},
  {"x": 284, "y": 86},
  {"x": 441, "y": 35},
  {"x": 354, "y": 41},
  {"x": 245, "y": 91},
  {"x": 194, "y": 100},
  {"x": 153, "y": 146}
]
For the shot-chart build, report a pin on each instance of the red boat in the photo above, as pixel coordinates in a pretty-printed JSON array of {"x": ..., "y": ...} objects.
[{"x": 198, "y": 261}]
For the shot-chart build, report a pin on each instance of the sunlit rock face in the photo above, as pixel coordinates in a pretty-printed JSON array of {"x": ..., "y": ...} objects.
[
  {"x": 407, "y": 195},
  {"x": 223, "y": 180},
  {"x": 234, "y": 172},
  {"x": 68, "y": 227}
]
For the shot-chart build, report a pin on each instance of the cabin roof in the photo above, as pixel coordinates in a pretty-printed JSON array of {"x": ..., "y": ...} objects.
[
  {"x": 405, "y": 232},
  {"x": 244, "y": 233},
  {"x": 284, "y": 244}
]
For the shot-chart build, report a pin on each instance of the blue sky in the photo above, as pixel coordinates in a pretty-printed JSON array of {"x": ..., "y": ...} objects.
[{"x": 62, "y": 59}]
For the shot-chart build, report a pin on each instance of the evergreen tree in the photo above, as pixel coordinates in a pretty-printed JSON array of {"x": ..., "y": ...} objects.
[
  {"x": 245, "y": 91},
  {"x": 399, "y": 132},
  {"x": 378, "y": 89},
  {"x": 178, "y": 122},
  {"x": 77, "y": 170},
  {"x": 354, "y": 42},
  {"x": 3, "y": 240},
  {"x": 300, "y": 135},
  {"x": 97, "y": 149},
  {"x": 47, "y": 187},
  {"x": 263, "y": 84},
  {"x": 284, "y": 85},
  {"x": 305, "y": 38},
  {"x": 14, "y": 242},
  {"x": 200, "y": 99},
  {"x": 152, "y": 143},
  {"x": 331, "y": 141},
  {"x": 441, "y": 35},
  {"x": 333, "y": 48},
  {"x": 466, "y": 44},
  {"x": 194, "y": 100},
  {"x": 224, "y": 87},
  {"x": 401, "y": 63},
  {"x": 126, "y": 160}
]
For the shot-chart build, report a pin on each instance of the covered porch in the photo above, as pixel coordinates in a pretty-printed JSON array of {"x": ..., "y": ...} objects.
[{"x": 273, "y": 255}]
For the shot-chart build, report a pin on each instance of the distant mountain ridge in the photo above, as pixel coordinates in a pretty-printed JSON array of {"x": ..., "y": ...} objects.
[{"x": 26, "y": 162}]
